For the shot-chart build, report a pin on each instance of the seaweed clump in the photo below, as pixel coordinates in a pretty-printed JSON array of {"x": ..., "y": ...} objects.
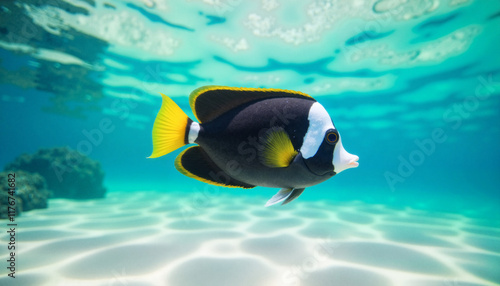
[
  {"x": 68, "y": 173},
  {"x": 30, "y": 192}
]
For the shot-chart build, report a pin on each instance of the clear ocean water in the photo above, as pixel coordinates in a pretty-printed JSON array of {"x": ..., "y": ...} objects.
[{"x": 412, "y": 86}]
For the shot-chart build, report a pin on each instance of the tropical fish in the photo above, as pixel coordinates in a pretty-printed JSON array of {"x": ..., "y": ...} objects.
[{"x": 248, "y": 137}]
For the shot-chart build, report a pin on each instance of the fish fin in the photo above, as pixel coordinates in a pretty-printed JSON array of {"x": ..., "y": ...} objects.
[
  {"x": 285, "y": 195},
  {"x": 211, "y": 101},
  {"x": 280, "y": 196},
  {"x": 277, "y": 151},
  {"x": 195, "y": 163},
  {"x": 295, "y": 194},
  {"x": 170, "y": 128}
]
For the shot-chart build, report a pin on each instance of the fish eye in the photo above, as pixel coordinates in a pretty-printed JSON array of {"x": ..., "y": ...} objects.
[{"x": 332, "y": 137}]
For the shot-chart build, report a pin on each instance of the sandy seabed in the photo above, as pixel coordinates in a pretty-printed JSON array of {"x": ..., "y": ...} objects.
[{"x": 193, "y": 239}]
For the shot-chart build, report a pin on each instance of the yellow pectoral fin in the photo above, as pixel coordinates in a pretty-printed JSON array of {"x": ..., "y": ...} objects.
[{"x": 278, "y": 151}]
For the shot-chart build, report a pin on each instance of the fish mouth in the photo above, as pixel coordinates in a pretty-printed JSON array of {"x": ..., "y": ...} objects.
[{"x": 353, "y": 163}]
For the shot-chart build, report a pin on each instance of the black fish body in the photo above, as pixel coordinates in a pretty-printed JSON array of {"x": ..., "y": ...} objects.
[
  {"x": 253, "y": 137},
  {"x": 234, "y": 140}
]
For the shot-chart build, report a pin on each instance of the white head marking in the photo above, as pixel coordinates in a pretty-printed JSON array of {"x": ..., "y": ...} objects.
[{"x": 319, "y": 123}]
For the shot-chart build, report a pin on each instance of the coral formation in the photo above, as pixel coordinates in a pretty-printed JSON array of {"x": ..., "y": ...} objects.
[
  {"x": 68, "y": 173},
  {"x": 30, "y": 193}
]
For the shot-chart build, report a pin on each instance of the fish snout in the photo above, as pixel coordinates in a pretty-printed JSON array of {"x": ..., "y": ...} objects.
[
  {"x": 342, "y": 160},
  {"x": 353, "y": 163}
]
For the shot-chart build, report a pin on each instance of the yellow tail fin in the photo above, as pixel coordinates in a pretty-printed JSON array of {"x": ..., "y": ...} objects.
[{"x": 169, "y": 129}]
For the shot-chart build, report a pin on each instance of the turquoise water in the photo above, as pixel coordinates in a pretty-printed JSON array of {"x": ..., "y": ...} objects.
[
  {"x": 412, "y": 86},
  {"x": 388, "y": 77}
]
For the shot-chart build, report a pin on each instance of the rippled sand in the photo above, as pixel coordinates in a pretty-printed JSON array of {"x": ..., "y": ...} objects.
[{"x": 152, "y": 238}]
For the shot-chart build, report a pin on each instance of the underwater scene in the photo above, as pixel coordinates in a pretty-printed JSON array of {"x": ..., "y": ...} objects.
[{"x": 329, "y": 142}]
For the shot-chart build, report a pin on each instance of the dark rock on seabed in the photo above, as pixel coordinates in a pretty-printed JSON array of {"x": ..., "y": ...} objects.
[
  {"x": 30, "y": 192},
  {"x": 68, "y": 173}
]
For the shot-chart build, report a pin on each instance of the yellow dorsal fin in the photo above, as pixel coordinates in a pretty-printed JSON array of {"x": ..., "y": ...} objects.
[
  {"x": 211, "y": 101},
  {"x": 169, "y": 129},
  {"x": 278, "y": 151}
]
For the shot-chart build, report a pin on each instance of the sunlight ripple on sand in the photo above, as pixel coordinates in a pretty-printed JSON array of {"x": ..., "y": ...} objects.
[{"x": 155, "y": 238}]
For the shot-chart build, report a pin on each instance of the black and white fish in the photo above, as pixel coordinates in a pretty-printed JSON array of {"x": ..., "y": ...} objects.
[{"x": 249, "y": 137}]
